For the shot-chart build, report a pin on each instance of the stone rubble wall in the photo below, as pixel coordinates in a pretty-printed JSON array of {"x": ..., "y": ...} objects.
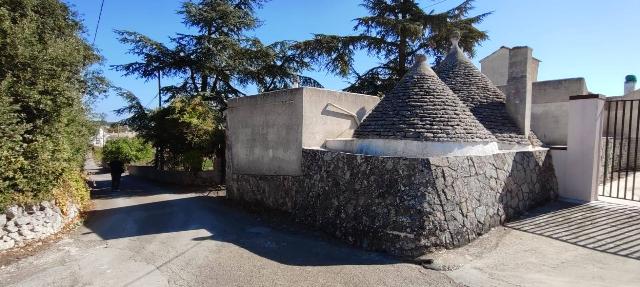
[
  {"x": 623, "y": 159},
  {"x": 21, "y": 225},
  {"x": 404, "y": 206}
]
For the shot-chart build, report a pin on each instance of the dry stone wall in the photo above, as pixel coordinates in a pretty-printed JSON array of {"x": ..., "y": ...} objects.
[
  {"x": 622, "y": 156},
  {"x": 20, "y": 225},
  {"x": 405, "y": 206}
]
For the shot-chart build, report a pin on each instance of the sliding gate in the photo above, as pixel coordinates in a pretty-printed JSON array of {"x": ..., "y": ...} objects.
[{"x": 619, "y": 158}]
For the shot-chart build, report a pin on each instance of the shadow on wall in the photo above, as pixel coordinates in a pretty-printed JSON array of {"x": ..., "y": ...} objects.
[
  {"x": 599, "y": 226},
  {"x": 332, "y": 111},
  {"x": 225, "y": 223}
]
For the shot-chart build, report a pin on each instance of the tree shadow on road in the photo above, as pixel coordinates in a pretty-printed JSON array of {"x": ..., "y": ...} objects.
[{"x": 280, "y": 241}]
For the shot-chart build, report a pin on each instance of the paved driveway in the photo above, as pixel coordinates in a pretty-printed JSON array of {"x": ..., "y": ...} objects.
[{"x": 148, "y": 235}]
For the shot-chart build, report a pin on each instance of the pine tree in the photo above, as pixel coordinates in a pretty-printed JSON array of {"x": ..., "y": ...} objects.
[
  {"x": 394, "y": 32},
  {"x": 218, "y": 61}
]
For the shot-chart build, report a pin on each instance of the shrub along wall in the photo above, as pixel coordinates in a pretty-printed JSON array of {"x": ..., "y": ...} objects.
[{"x": 44, "y": 81}]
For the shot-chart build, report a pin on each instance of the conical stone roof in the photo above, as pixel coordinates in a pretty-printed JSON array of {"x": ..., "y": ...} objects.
[
  {"x": 422, "y": 108},
  {"x": 482, "y": 97}
]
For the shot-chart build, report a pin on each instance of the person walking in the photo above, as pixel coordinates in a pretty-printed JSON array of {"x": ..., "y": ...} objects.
[{"x": 117, "y": 168}]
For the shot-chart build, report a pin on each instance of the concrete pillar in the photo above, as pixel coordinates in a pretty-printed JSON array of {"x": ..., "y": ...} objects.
[
  {"x": 583, "y": 148},
  {"x": 519, "y": 88}
]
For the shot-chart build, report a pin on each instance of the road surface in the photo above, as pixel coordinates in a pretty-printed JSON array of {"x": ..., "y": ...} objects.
[{"x": 151, "y": 235}]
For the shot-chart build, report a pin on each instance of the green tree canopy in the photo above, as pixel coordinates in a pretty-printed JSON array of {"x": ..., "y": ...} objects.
[
  {"x": 394, "y": 32},
  {"x": 221, "y": 59},
  {"x": 45, "y": 80},
  {"x": 213, "y": 65}
]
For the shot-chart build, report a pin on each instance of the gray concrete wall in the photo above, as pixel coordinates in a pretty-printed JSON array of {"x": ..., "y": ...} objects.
[
  {"x": 519, "y": 89},
  {"x": 550, "y": 108},
  {"x": 496, "y": 66},
  {"x": 404, "y": 206},
  {"x": 322, "y": 121},
  {"x": 265, "y": 132}
]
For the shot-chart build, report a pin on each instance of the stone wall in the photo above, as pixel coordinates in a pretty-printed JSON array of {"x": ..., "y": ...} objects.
[
  {"x": 21, "y": 225},
  {"x": 202, "y": 178},
  {"x": 623, "y": 159},
  {"x": 405, "y": 206}
]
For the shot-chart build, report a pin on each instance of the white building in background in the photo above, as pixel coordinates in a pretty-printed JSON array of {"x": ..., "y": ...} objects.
[
  {"x": 100, "y": 138},
  {"x": 103, "y": 135}
]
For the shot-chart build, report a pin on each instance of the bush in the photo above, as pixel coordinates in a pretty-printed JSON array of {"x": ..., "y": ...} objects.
[
  {"x": 45, "y": 80},
  {"x": 127, "y": 150}
]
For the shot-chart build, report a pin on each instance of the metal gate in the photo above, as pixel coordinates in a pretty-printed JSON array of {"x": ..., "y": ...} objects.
[{"x": 619, "y": 151}]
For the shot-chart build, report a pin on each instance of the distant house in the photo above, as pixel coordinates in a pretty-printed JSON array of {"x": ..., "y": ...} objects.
[
  {"x": 100, "y": 138},
  {"x": 549, "y": 99},
  {"x": 106, "y": 133}
]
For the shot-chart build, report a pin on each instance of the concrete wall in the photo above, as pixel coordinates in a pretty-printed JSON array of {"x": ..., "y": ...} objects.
[
  {"x": 586, "y": 115},
  {"x": 550, "y": 108},
  {"x": 405, "y": 206},
  {"x": 496, "y": 66},
  {"x": 266, "y": 132},
  {"x": 322, "y": 120},
  {"x": 203, "y": 178}
]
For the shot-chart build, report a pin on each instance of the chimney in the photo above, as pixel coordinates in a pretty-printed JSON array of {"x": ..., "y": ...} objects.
[
  {"x": 629, "y": 84},
  {"x": 519, "y": 87}
]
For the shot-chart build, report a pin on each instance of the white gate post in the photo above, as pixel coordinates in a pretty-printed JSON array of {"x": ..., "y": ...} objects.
[{"x": 586, "y": 114}]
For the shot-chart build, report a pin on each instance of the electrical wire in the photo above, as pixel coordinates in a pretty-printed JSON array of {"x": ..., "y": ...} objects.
[
  {"x": 434, "y": 4},
  {"x": 95, "y": 34}
]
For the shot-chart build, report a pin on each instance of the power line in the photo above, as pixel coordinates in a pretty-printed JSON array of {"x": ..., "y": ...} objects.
[
  {"x": 95, "y": 34},
  {"x": 148, "y": 103},
  {"x": 434, "y": 4}
]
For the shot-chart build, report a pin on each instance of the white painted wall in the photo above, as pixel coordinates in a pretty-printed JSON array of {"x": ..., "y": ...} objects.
[
  {"x": 583, "y": 149},
  {"x": 409, "y": 148}
]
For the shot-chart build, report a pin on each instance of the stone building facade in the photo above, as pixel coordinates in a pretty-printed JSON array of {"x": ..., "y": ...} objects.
[
  {"x": 422, "y": 170},
  {"x": 403, "y": 206}
]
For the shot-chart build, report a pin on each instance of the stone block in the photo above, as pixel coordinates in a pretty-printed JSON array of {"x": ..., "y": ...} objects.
[
  {"x": 11, "y": 227},
  {"x": 13, "y": 212}
]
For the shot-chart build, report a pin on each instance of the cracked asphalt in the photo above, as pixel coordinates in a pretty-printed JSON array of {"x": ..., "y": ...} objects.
[{"x": 151, "y": 235}]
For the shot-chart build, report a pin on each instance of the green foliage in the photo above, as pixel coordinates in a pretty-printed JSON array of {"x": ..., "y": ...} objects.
[
  {"x": 214, "y": 64},
  {"x": 186, "y": 132},
  {"x": 45, "y": 83},
  {"x": 127, "y": 150},
  {"x": 394, "y": 32}
]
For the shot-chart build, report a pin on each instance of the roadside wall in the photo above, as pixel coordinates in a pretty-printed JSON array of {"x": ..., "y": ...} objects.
[
  {"x": 266, "y": 131},
  {"x": 405, "y": 206},
  {"x": 202, "y": 178},
  {"x": 19, "y": 225}
]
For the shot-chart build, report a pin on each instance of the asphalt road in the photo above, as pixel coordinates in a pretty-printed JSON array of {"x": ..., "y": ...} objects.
[{"x": 151, "y": 235}]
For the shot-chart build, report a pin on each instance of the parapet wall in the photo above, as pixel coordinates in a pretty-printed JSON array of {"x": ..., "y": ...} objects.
[{"x": 405, "y": 206}]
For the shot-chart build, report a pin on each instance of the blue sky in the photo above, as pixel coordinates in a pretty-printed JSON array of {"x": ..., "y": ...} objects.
[{"x": 597, "y": 40}]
